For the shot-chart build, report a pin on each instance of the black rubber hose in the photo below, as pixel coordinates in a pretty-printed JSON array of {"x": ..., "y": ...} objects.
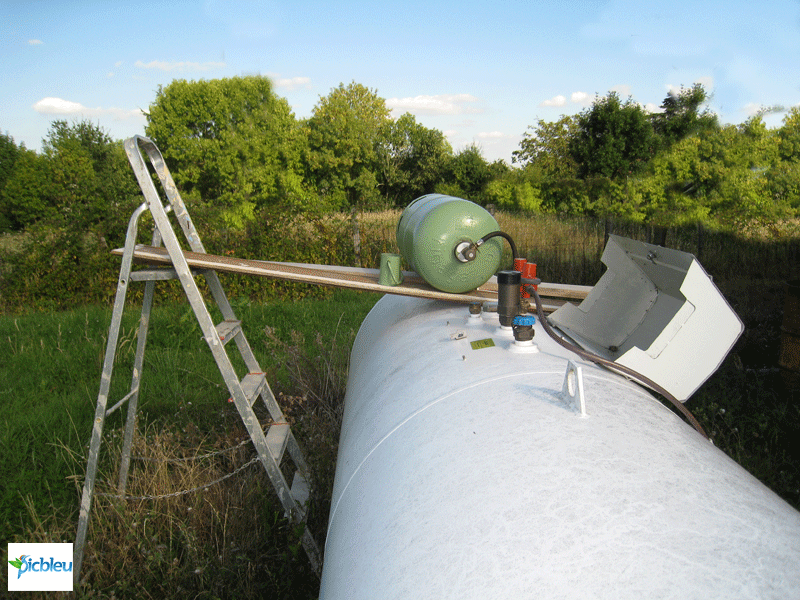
[
  {"x": 502, "y": 234},
  {"x": 612, "y": 365}
]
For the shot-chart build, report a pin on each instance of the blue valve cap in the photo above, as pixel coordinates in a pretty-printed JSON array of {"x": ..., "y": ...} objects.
[{"x": 524, "y": 320}]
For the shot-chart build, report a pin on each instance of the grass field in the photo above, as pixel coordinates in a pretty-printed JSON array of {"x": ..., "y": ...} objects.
[{"x": 50, "y": 374}]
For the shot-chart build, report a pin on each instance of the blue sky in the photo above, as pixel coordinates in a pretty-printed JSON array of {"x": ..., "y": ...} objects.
[{"x": 480, "y": 72}]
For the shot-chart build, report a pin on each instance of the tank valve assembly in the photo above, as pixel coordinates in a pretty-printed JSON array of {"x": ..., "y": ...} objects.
[
  {"x": 523, "y": 327},
  {"x": 508, "y": 297},
  {"x": 466, "y": 251},
  {"x": 528, "y": 270},
  {"x": 475, "y": 311}
]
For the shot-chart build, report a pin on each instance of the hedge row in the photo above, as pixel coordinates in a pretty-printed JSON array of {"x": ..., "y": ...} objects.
[{"x": 52, "y": 267}]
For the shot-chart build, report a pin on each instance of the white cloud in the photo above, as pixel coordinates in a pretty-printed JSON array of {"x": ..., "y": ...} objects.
[
  {"x": 494, "y": 135},
  {"x": 651, "y": 108},
  {"x": 290, "y": 83},
  {"x": 581, "y": 98},
  {"x": 554, "y": 101},
  {"x": 442, "y": 104},
  {"x": 179, "y": 66},
  {"x": 61, "y": 107},
  {"x": 35, "y": 42},
  {"x": 57, "y": 106},
  {"x": 673, "y": 90},
  {"x": 623, "y": 90},
  {"x": 752, "y": 109}
]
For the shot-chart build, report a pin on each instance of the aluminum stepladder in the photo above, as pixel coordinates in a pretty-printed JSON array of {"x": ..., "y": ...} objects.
[{"x": 244, "y": 391}]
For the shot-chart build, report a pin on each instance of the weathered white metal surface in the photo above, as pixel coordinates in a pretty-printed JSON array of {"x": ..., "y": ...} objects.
[
  {"x": 466, "y": 473},
  {"x": 656, "y": 311}
]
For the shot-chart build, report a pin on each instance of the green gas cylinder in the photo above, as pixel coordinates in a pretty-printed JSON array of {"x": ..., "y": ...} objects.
[{"x": 430, "y": 230}]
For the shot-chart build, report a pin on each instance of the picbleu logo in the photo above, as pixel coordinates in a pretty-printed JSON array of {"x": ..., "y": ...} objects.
[
  {"x": 40, "y": 567},
  {"x": 25, "y": 564}
]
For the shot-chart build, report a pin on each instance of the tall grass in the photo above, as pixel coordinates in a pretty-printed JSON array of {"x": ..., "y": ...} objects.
[
  {"x": 53, "y": 270},
  {"x": 568, "y": 249},
  {"x": 229, "y": 540}
]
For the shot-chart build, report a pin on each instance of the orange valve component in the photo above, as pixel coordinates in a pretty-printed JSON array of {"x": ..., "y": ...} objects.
[{"x": 528, "y": 271}]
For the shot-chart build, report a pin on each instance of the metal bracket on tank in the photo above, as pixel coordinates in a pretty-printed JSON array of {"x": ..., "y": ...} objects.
[{"x": 572, "y": 389}]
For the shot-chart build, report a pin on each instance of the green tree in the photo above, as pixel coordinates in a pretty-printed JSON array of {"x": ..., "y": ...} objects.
[
  {"x": 550, "y": 167},
  {"x": 80, "y": 159},
  {"x": 548, "y": 146},
  {"x": 8, "y": 156},
  {"x": 232, "y": 142},
  {"x": 614, "y": 139},
  {"x": 413, "y": 159},
  {"x": 82, "y": 178},
  {"x": 731, "y": 176},
  {"x": 784, "y": 176},
  {"x": 789, "y": 136},
  {"x": 743, "y": 193},
  {"x": 515, "y": 191},
  {"x": 25, "y": 197},
  {"x": 467, "y": 175},
  {"x": 783, "y": 180},
  {"x": 674, "y": 188},
  {"x": 345, "y": 133},
  {"x": 682, "y": 116}
]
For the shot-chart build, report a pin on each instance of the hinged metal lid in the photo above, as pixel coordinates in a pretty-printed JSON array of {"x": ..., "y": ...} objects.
[{"x": 656, "y": 311}]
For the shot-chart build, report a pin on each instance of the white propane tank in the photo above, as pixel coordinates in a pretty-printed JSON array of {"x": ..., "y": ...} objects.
[{"x": 471, "y": 466}]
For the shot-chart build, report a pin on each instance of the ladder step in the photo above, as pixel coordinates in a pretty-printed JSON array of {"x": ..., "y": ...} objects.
[
  {"x": 300, "y": 490},
  {"x": 227, "y": 330},
  {"x": 127, "y": 397},
  {"x": 252, "y": 384},
  {"x": 277, "y": 436},
  {"x": 160, "y": 274},
  {"x": 153, "y": 275}
]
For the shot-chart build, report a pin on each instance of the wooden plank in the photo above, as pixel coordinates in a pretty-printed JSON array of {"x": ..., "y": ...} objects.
[{"x": 347, "y": 277}]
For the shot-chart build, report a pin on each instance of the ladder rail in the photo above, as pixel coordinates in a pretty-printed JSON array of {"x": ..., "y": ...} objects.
[
  {"x": 159, "y": 213},
  {"x": 136, "y": 377},
  {"x": 134, "y": 146},
  {"x": 105, "y": 387},
  {"x": 170, "y": 241}
]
